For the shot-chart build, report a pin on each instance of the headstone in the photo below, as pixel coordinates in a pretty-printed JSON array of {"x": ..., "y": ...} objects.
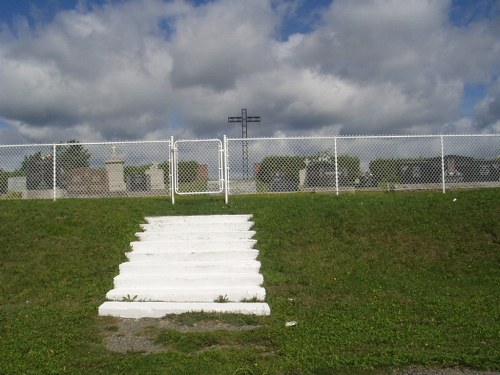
[
  {"x": 242, "y": 187},
  {"x": 156, "y": 177},
  {"x": 420, "y": 171},
  {"x": 282, "y": 183},
  {"x": 39, "y": 173},
  {"x": 87, "y": 181},
  {"x": 302, "y": 177},
  {"x": 17, "y": 185},
  {"x": 202, "y": 172},
  {"x": 114, "y": 167},
  {"x": 138, "y": 182},
  {"x": 320, "y": 174}
]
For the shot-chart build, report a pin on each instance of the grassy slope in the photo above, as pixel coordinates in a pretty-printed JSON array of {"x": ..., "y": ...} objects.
[{"x": 373, "y": 281}]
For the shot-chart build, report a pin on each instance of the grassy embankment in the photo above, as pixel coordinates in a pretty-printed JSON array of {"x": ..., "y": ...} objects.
[{"x": 374, "y": 281}]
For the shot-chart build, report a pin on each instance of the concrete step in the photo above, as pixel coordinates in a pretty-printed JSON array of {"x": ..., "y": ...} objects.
[
  {"x": 207, "y": 294},
  {"x": 188, "y": 280},
  {"x": 137, "y": 310},
  {"x": 205, "y": 245},
  {"x": 189, "y": 267},
  {"x": 183, "y": 264},
  {"x": 181, "y": 256},
  {"x": 193, "y": 219},
  {"x": 197, "y": 227},
  {"x": 187, "y": 236}
]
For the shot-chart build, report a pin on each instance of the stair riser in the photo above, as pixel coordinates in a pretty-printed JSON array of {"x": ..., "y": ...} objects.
[
  {"x": 182, "y": 295},
  {"x": 154, "y": 236},
  {"x": 199, "y": 228},
  {"x": 185, "y": 281},
  {"x": 240, "y": 256},
  {"x": 206, "y": 245},
  {"x": 137, "y": 310},
  {"x": 132, "y": 268},
  {"x": 198, "y": 219}
]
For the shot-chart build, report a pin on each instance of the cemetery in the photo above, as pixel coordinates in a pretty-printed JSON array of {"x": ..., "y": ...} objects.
[{"x": 184, "y": 167}]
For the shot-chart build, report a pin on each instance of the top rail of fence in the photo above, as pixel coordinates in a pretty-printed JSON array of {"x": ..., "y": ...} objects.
[
  {"x": 86, "y": 143},
  {"x": 253, "y": 138},
  {"x": 363, "y": 137}
]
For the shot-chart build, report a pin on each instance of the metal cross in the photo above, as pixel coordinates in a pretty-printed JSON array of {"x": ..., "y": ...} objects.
[{"x": 244, "y": 119}]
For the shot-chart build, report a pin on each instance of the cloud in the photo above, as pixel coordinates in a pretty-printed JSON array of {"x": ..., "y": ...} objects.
[
  {"x": 108, "y": 68},
  {"x": 488, "y": 110},
  {"x": 150, "y": 68},
  {"x": 221, "y": 41}
]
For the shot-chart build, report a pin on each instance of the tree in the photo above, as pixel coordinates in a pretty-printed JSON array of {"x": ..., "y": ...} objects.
[{"x": 72, "y": 156}]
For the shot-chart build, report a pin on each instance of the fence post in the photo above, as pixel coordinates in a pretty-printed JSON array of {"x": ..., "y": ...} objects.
[
  {"x": 225, "y": 167},
  {"x": 54, "y": 172},
  {"x": 171, "y": 166},
  {"x": 442, "y": 165},
  {"x": 336, "y": 166}
]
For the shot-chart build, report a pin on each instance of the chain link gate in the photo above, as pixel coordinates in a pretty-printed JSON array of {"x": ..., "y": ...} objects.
[{"x": 198, "y": 166}]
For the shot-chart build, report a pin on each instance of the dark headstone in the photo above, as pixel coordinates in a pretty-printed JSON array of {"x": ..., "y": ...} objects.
[
  {"x": 138, "y": 182},
  {"x": 39, "y": 173},
  {"x": 283, "y": 183},
  {"x": 323, "y": 174}
]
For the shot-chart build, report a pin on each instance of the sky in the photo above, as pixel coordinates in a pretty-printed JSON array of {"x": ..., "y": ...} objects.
[{"x": 104, "y": 70}]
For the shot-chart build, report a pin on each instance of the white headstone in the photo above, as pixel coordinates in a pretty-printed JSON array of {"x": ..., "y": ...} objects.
[
  {"x": 16, "y": 184},
  {"x": 156, "y": 177},
  {"x": 114, "y": 166},
  {"x": 302, "y": 177}
]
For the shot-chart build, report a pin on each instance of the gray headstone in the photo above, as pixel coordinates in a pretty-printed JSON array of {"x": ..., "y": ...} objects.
[
  {"x": 156, "y": 176},
  {"x": 87, "y": 181}
]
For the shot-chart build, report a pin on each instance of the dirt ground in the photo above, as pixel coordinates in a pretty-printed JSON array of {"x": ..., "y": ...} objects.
[{"x": 131, "y": 335}]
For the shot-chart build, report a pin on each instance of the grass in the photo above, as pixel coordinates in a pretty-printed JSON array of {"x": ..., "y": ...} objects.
[{"x": 374, "y": 281}]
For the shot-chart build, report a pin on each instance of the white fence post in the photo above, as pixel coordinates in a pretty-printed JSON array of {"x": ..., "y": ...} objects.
[
  {"x": 171, "y": 167},
  {"x": 226, "y": 170},
  {"x": 336, "y": 166},
  {"x": 54, "y": 172},
  {"x": 442, "y": 165}
]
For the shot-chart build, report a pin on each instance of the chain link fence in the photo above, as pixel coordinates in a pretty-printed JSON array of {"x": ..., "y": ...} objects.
[
  {"x": 339, "y": 164},
  {"x": 249, "y": 166},
  {"x": 85, "y": 170}
]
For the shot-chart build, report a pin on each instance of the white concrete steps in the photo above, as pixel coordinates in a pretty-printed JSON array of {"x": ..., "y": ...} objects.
[
  {"x": 190, "y": 236},
  {"x": 160, "y": 309},
  {"x": 195, "y": 280},
  {"x": 189, "y": 267},
  {"x": 167, "y": 294},
  {"x": 197, "y": 227},
  {"x": 198, "y": 255},
  {"x": 203, "y": 219},
  {"x": 192, "y": 244},
  {"x": 185, "y": 263}
]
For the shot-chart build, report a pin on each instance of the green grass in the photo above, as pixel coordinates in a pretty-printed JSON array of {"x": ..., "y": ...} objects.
[{"x": 374, "y": 281}]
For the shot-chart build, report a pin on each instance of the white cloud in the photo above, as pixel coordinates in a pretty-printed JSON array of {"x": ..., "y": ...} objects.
[{"x": 151, "y": 68}]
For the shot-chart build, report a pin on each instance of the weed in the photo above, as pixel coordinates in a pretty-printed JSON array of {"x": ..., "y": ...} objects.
[
  {"x": 253, "y": 299},
  {"x": 128, "y": 298},
  {"x": 221, "y": 299}
]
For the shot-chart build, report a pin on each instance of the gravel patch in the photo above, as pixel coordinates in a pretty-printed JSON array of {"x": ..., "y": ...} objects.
[{"x": 131, "y": 335}]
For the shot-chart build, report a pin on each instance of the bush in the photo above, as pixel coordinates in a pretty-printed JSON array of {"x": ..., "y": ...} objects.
[{"x": 288, "y": 166}]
